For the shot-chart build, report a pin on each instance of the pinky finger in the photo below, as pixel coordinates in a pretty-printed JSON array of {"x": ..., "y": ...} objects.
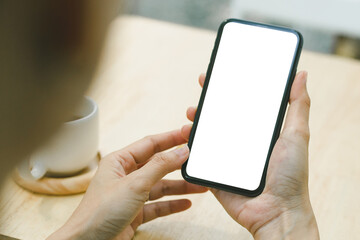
[{"x": 160, "y": 209}]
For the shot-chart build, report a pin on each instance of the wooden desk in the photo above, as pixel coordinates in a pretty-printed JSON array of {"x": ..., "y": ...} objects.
[{"x": 147, "y": 79}]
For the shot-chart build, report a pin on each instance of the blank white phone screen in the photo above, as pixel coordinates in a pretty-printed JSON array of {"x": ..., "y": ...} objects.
[{"x": 241, "y": 105}]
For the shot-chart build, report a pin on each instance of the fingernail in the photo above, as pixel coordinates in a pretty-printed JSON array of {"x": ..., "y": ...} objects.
[{"x": 182, "y": 151}]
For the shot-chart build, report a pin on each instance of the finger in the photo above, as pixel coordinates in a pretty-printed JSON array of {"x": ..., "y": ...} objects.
[
  {"x": 297, "y": 119},
  {"x": 190, "y": 113},
  {"x": 185, "y": 131},
  {"x": 140, "y": 151},
  {"x": 161, "y": 209},
  {"x": 157, "y": 167},
  {"x": 202, "y": 79},
  {"x": 174, "y": 187}
]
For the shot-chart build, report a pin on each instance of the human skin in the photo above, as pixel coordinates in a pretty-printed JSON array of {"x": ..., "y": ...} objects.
[
  {"x": 44, "y": 73},
  {"x": 49, "y": 53},
  {"x": 283, "y": 210},
  {"x": 114, "y": 204}
]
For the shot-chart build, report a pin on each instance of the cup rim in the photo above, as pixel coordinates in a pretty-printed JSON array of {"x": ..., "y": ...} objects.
[{"x": 92, "y": 113}]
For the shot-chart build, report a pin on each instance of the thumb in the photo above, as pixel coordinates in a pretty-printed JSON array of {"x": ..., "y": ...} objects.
[
  {"x": 297, "y": 119},
  {"x": 160, "y": 165}
]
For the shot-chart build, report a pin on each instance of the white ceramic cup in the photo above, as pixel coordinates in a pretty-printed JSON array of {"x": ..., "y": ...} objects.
[{"x": 72, "y": 148}]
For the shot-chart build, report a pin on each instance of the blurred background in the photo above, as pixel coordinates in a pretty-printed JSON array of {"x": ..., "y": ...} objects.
[{"x": 328, "y": 26}]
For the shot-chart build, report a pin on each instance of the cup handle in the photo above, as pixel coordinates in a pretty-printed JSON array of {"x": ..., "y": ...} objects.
[{"x": 38, "y": 170}]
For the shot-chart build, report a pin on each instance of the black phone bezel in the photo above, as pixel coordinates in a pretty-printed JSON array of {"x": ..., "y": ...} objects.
[{"x": 279, "y": 121}]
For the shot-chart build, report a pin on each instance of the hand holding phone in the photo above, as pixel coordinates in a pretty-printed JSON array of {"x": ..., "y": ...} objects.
[
  {"x": 284, "y": 207},
  {"x": 259, "y": 62},
  {"x": 242, "y": 105}
]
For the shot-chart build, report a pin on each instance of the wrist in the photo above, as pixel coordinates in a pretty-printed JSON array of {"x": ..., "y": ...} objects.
[
  {"x": 66, "y": 232},
  {"x": 294, "y": 223},
  {"x": 77, "y": 227}
]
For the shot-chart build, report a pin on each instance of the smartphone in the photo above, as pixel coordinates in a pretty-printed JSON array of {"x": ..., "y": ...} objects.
[{"x": 242, "y": 106}]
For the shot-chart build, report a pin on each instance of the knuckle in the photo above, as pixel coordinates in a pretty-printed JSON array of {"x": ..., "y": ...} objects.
[
  {"x": 165, "y": 188},
  {"x": 303, "y": 100},
  {"x": 125, "y": 159},
  {"x": 140, "y": 186},
  {"x": 307, "y": 100},
  {"x": 162, "y": 159},
  {"x": 157, "y": 210},
  {"x": 152, "y": 140},
  {"x": 303, "y": 133}
]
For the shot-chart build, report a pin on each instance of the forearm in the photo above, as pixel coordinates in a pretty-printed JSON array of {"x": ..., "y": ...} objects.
[
  {"x": 75, "y": 228},
  {"x": 292, "y": 224},
  {"x": 68, "y": 231}
]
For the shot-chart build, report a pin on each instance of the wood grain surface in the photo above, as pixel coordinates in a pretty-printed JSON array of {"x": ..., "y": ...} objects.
[
  {"x": 147, "y": 79},
  {"x": 69, "y": 185}
]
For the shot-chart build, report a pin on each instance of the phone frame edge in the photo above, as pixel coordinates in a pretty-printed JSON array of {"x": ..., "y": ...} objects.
[{"x": 279, "y": 121}]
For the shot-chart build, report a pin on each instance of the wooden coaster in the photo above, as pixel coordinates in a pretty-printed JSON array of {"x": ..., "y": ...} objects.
[{"x": 56, "y": 185}]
